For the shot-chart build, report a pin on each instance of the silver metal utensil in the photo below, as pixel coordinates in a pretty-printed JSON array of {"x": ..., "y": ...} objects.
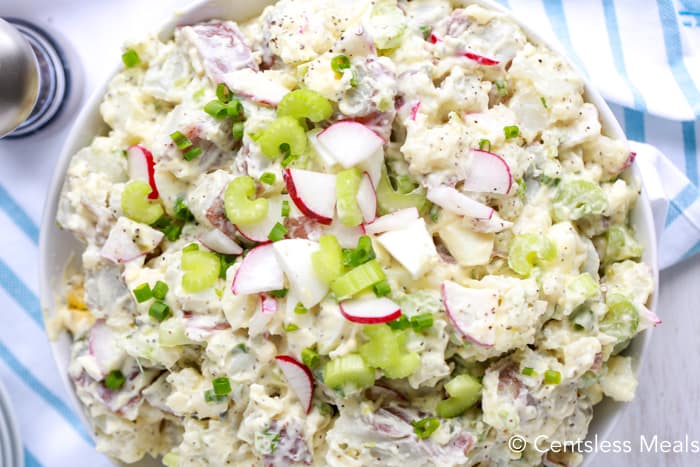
[{"x": 19, "y": 78}]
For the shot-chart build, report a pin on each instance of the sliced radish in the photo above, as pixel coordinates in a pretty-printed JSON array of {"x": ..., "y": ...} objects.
[
  {"x": 370, "y": 310},
  {"x": 219, "y": 242},
  {"x": 373, "y": 166},
  {"x": 347, "y": 236},
  {"x": 629, "y": 161},
  {"x": 434, "y": 39},
  {"x": 200, "y": 327},
  {"x": 256, "y": 86},
  {"x": 260, "y": 320},
  {"x": 411, "y": 246},
  {"x": 350, "y": 143},
  {"x": 320, "y": 149},
  {"x": 480, "y": 59},
  {"x": 259, "y": 231},
  {"x": 492, "y": 225},
  {"x": 448, "y": 198},
  {"x": 259, "y": 272},
  {"x": 294, "y": 255},
  {"x": 129, "y": 240},
  {"x": 414, "y": 110},
  {"x": 142, "y": 167},
  {"x": 396, "y": 220},
  {"x": 104, "y": 346},
  {"x": 648, "y": 317},
  {"x": 472, "y": 312},
  {"x": 488, "y": 173},
  {"x": 313, "y": 193},
  {"x": 299, "y": 378},
  {"x": 268, "y": 303},
  {"x": 367, "y": 199}
]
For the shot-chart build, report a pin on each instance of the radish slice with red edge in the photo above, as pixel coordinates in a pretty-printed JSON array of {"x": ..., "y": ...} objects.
[
  {"x": 488, "y": 173},
  {"x": 350, "y": 143},
  {"x": 313, "y": 193},
  {"x": 448, "y": 198},
  {"x": 367, "y": 199},
  {"x": 268, "y": 303},
  {"x": 142, "y": 167},
  {"x": 299, "y": 378},
  {"x": 259, "y": 272},
  {"x": 480, "y": 59},
  {"x": 219, "y": 242},
  {"x": 396, "y": 220},
  {"x": 370, "y": 310},
  {"x": 471, "y": 312}
]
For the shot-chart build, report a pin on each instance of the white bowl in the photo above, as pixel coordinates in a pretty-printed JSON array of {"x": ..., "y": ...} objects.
[{"x": 59, "y": 249}]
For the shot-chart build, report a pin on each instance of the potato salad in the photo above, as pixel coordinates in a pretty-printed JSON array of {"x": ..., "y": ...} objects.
[{"x": 350, "y": 233}]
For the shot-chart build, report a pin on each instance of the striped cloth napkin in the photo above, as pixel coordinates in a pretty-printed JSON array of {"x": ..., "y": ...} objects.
[{"x": 642, "y": 54}]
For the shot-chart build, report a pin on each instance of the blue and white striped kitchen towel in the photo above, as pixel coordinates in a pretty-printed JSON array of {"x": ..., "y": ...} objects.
[{"x": 644, "y": 55}]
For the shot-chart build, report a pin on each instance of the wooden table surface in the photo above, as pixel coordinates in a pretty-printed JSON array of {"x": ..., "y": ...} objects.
[{"x": 667, "y": 398}]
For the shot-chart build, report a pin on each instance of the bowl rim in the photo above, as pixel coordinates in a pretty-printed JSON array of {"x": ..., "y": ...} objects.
[{"x": 88, "y": 122}]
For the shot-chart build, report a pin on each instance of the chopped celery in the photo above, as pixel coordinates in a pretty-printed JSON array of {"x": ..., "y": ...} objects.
[
  {"x": 349, "y": 371},
  {"x": 346, "y": 186},
  {"x": 464, "y": 391},
  {"x": 241, "y": 208},
  {"x": 621, "y": 245},
  {"x": 305, "y": 103},
  {"x": 622, "y": 319},
  {"x": 582, "y": 288},
  {"x": 328, "y": 260},
  {"x": 284, "y": 136},
  {"x": 527, "y": 250},
  {"x": 171, "y": 333},
  {"x": 387, "y": 24},
  {"x": 582, "y": 319},
  {"x": 386, "y": 349},
  {"x": 357, "y": 280},
  {"x": 171, "y": 459},
  {"x": 201, "y": 270},
  {"x": 136, "y": 205},
  {"x": 405, "y": 366},
  {"x": 575, "y": 199},
  {"x": 390, "y": 200}
]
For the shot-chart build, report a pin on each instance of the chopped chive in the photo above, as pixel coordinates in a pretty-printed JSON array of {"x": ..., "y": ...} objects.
[
  {"x": 182, "y": 212},
  {"x": 222, "y": 386},
  {"x": 268, "y": 178},
  {"x": 191, "y": 247},
  {"x": 160, "y": 290},
  {"x": 225, "y": 262},
  {"x": 422, "y": 322},
  {"x": 277, "y": 233},
  {"x": 181, "y": 141},
  {"x": 340, "y": 63},
  {"x": 527, "y": 371},
  {"x": 300, "y": 309},
  {"x": 544, "y": 101},
  {"x": 237, "y": 130},
  {"x": 354, "y": 81},
  {"x": 485, "y": 145},
  {"x": 434, "y": 212},
  {"x": 511, "y": 131},
  {"x": 426, "y": 30},
  {"x": 552, "y": 377},
  {"x": 131, "y": 58},
  {"x": 382, "y": 289},
  {"x": 501, "y": 87},
  {"x": 159, "y": 311},
  {"x": 143, "y": 292},
  {"x": 400, "y": 323},
  {"x": 223, "y": 93},
  {"x": 285, "y": 208},
  {"x": 172, "y": 232},
  {"x": 291, "y": 327},
  {"x": 281, "y": 293},
  {"x": 216, "y": 109},
  {"x": 192, "y": 153},
  {"x": 242, "y": 347},
  {"x": 310, "y": 357},
  {"x": 235, "y": 110},
  {"x": 425, "y": 427},
  {"x": 359, "y": 255},
  {"x": 210, "y": 396},
  {"x": 115, "y": 380}
]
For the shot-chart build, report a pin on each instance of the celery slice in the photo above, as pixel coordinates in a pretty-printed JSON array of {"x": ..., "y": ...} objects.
[
  {"x": 349, "y": 371},
  {"x": 450, "y": 408},
  {"x": 622, "y": 319},
  {"x": 621, "y": 245},
  {"x": 305, "y": 103},
  {"x": 404, "y": 367},
  {"x": 171, "y": 333},
  {"x": 201, "y": 270},
  {"x": 575, "y": 199},
  {"x": 328, "y": 260},
  {"x": 136, "y": 205},
  {"x": 283, "y": 137},
  {"x": 390, "y": 200},
  {"x": 358, "y": 279},
  {"x": 241, "y": 208},
  {"x": 346, "y": 186},
  {"x": 386, "y": 349},
  {"x": 464, "y": 391},
  {"x": 527, "y": 250}
]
